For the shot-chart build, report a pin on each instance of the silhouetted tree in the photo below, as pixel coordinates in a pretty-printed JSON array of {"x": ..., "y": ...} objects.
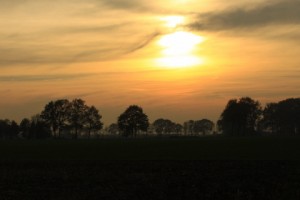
[
  {"x": 74, "y": 116},
  {"x": 240, "y": 117},
  {"x": 282, "y": 117},
  {"x": 14, "y": 129},
  {"x": 36, "y": 128},
  {"x": 39, "y": 129},
  {"x": 56, "y": 115},
  {"x": 25, "y": 128},
  {"x": 195, "y": 127},
  {"x": 77, "y": 115},
  {"x": 166, "y": 126},
  {"x": 185, "y": 128},
  {"x": 219, "y": 126},
  {"x": 92, "y": 120},
  {"x": 178, "y": 128},
  {"x": 269, "y": 122},
  {"x": 188, "y": 127},
  {"x": 203, "y": 126},
  {"x": 132, "y": 121},
  {"x": 162, "y": 126},
  {"x": 8, "y": 129},
  {"x": 159, "y": 126},
  {"x": 4, "y": 126},
  {"x": 289, "y": 116},
  {"x": 113, "y": 129}
]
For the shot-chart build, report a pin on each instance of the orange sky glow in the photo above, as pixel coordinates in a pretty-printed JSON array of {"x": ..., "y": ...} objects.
[{"x": 178, "y": 59}]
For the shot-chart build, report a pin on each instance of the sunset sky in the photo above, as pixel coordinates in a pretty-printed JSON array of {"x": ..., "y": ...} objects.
[{"x": 178, "y": 59}]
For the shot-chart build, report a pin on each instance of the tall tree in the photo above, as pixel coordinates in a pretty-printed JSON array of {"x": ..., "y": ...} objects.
[
  {"x": 113, "y": 129},
  {"x": 269, "y": 122},
  {"x": 39, "y": 129},
  {"x": 56, "y": 115},
  {"x": 203, "y": 126},
  {"x": 92, "y": 120},
  {"x": 36, "y": 128},
  {"x": 25, "y": 127},
  {"x": 288, "y": 116},
  {"x": 159, "y": 126},
  {"x": 163, "y": 126},
  {"x": 178, "y": 128},
  {"x": 240, "y": 117},
  {"x": 188, "y": 127},
  {"x": 282, "y": 117},
  {"x": 8, "y": 129},
  {"x": 133, "y": 120},
  {"x": 4, "y": 128},
  {"x": 166, "y": 126},
  {"x": 77, "y": 115},
  {"x": 14, "y": 129}
]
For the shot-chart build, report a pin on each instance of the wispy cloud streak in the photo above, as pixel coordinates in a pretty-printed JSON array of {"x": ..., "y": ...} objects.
[
  {"x": 38, "y": 78},
  {"x": 137, "y": 5}
]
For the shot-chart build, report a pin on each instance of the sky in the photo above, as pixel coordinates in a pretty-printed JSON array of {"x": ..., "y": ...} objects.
[{"x": 177, "y": 59}]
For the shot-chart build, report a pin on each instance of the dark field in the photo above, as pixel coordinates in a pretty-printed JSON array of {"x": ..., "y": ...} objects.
[
  {"x": 205, "y": 148},
  {"x": 153, "y": 168}
]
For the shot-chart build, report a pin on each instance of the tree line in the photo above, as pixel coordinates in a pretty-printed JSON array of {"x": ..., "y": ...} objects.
[
  {"x": 246, "y": 116},
  {"x": 73, "y": 119}
]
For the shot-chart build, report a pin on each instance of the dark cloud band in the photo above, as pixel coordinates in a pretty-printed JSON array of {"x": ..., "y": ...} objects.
[{"x": 278, "y": 13}]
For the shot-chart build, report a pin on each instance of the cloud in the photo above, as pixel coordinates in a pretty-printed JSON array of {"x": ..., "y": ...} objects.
[
  {"x": 92, "y": 39},
  {"x": 36, "y": 35},
  {"x": 132, "y": 5},
  {"x": 144, "y": 42},
  {"x": 38, "y": 78},
  {"x": 11, "y": 4},
  {"x": 278, "y": 13},
  {"x": 30, "y": 49}
]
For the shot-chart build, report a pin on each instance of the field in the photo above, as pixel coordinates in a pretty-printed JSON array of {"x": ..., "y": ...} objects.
[
  {"x": 184, "y": 148},
  {"x": 152, "y": 168}
]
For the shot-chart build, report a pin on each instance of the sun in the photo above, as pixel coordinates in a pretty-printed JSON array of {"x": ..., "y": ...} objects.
[
  {"x": 173, "y": 21},
  {"x": 178, "y": 50}
]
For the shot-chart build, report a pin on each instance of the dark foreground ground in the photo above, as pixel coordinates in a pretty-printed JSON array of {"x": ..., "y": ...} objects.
[
  {"x": 151, "y": 180},
  {"x": 205, "y": 168}
]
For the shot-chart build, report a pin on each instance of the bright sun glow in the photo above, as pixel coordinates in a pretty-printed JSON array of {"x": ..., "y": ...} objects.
[
  {"x": 173, "y": 21},
  {"x": 178, "y": 50}
]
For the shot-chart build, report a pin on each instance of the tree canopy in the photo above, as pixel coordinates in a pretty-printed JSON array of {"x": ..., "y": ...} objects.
[
  {"x": 282, "y": 117},
  {"x": 166, "y": 126},
  {"x": 133, "y": 120},
  {"x": 72, "y": 115},
  {"x": 240, "y": 117},
  {"x": 195, "y": 127},
  {"x": 203, "y": 126},
  {"x": 8, "y": 129},
  {"x": 56, "y": 115}
]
